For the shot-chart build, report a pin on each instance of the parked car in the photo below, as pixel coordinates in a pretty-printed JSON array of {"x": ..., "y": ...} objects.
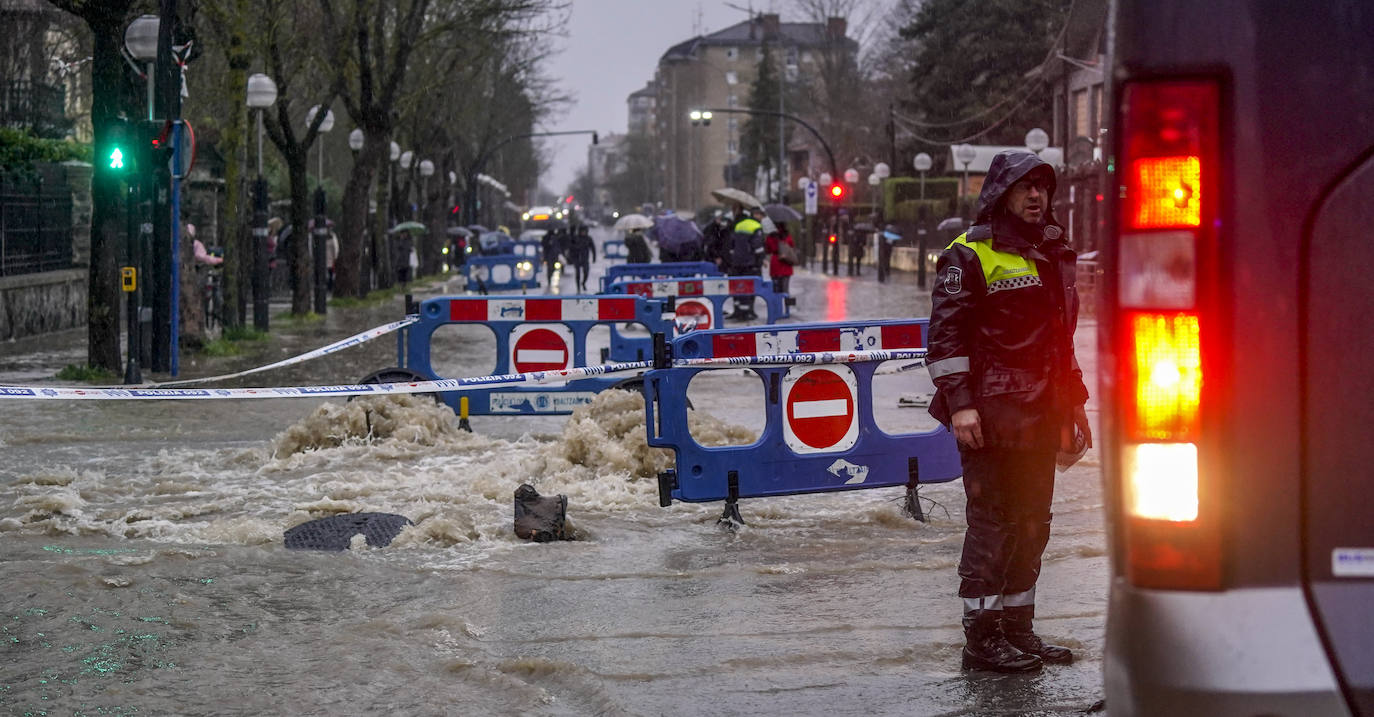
[{"x": 1237, "y": 414}]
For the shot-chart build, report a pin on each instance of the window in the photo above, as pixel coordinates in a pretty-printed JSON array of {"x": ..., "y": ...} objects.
[
  {"x": 734, "y": 124},
  {"x": 731, "y": 78},
  {"x": 731, "y": 53},
  {"x": 733, "y": 147},
  {"x": 758, "y": 53},
  {"x": 1081, "y": 127},
  {"x": 806, "y": 57},
  {"x": 792, "y": 56},
  {"x": 733, "y": 101},
  {"x": 1097, "y": 111}
]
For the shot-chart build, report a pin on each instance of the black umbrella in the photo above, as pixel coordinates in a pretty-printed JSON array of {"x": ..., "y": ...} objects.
[{"x": 781, "y": 213}]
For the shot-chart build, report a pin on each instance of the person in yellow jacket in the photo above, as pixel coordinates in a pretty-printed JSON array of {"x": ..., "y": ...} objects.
[
  {"x": 1003, "y": 311},
  {"x": 744, "y": 251}
]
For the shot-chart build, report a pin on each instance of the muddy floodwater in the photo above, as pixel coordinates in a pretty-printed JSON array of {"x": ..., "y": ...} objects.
[{"x": 144, "y": 570}]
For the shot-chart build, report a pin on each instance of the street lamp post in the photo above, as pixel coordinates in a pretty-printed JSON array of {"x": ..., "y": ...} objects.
[
  {"x": 1037, "y": 140},
  {"x": 965, "y": 154},
  {"x": 320, "y": 255},
  {"x": 140, "y": 39},
  {"x": 922, "y": 164},
  {"x": 262, "y": 93},
  {"x": 140, "y": 42},
  {"x": 426, "y": 171}
]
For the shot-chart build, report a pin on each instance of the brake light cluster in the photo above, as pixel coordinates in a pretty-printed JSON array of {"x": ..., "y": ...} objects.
[{"x": 1169, "y": 135}]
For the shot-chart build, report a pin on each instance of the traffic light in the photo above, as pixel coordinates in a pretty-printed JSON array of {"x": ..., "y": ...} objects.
[
  {"x": 156, "y": 140},
  {"x": 837, "y": 192},
  {"x": 116, "y": 154}
]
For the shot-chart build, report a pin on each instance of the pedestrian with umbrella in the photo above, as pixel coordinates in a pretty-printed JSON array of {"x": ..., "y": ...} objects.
[
  {"x": 782, "y": 256},
  {"x": 637, "y": 248},
  {"x": 744, "y": 256},
  {"x": 679, "y": 239}
]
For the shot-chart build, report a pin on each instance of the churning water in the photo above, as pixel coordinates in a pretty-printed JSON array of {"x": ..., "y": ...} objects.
[{"x": 144, "y": 570}]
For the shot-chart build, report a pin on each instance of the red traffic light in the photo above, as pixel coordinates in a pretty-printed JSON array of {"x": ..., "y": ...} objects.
[
  {"x": 837, "y": 191},
  {"x": 832, "y": 238}
]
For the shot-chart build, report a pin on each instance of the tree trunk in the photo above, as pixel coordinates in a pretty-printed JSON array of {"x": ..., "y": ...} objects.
[
  {"x": 102, "y": 303},
  {"x": 301, "y": 277},
  {"x": 352, "y": 268}
]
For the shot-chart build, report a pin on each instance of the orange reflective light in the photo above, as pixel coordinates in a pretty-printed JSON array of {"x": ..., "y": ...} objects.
[
  {"x": 539, "y": 217},
  {"x": 1167, "y": 363},
  {"x": 1166, "y": 192}
]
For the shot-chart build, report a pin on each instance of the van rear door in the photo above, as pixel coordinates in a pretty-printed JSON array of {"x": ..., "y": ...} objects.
[{"x": 1338, "y": 440}]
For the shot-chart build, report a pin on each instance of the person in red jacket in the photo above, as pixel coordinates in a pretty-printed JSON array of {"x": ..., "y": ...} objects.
[{"x": 780, "y": 266}]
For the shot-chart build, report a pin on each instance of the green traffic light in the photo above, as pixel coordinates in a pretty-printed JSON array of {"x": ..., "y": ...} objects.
[{"x": 116, "y": 159}]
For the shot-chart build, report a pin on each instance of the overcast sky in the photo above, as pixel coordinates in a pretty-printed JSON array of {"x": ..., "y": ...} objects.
[{"x": 611, "y": 50}]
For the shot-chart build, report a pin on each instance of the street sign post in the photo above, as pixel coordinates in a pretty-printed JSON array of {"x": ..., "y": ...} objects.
[{"x": 811, "y": 194}]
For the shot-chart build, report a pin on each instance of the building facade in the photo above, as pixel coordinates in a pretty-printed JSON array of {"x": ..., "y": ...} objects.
[{"x": 717, "y": 71}]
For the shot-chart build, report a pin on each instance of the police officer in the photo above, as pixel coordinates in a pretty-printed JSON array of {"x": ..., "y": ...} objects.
[
  {"x": 744, "y": 256},
  {"x": 1004, "y": 308}
]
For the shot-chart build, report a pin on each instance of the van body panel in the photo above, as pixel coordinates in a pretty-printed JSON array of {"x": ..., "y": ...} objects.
[{"x": 1290, "y": 453}]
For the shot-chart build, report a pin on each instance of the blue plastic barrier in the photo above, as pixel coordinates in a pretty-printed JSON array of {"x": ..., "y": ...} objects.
[
  {"x": 820, "y": 434},
  {"x": 530, "y": 249},
  {"x": 532, "y": 334},
  {"x": 612, "y": 249},
  {"x": 502, "y": 272},
  {"x": 657, "y": 271},
  {"x": 700, "y": 302}
]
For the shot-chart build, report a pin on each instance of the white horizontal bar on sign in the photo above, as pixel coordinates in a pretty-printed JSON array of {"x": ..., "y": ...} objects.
[
  {"x": 540, "y": 356},
  {"x": 820, "y": 409}
]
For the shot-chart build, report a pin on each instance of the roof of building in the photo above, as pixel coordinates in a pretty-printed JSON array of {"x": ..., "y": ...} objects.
[{"x": 750, "y": 32}]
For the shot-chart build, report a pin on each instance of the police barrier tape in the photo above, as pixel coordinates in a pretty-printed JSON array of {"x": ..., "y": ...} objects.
[
  {"x": 447, "y": 385},
  {"x": 663, "y": 270},
  {"x": 353, "y": 340},
  {"x": 820, "y": 433}
]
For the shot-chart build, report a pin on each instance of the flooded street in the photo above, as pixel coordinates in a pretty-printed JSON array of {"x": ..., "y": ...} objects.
[{"x": 145, "y": 573}]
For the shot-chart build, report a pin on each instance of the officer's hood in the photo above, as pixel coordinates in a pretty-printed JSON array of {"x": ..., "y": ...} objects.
[{"x": 1006, "y": 168}]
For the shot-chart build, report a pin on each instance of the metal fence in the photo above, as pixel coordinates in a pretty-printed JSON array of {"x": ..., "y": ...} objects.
[{"x": 35, "y": 228}]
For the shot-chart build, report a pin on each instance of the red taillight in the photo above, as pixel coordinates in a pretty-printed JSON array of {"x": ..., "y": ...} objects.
[{"x": 1169, "y": 137}]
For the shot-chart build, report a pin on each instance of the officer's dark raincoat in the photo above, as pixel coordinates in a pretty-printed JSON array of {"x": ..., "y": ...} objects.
[{"x": 1003, "y": 312}]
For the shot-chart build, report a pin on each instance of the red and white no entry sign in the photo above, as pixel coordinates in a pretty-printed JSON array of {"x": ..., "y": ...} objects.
[
  {"x": 540, "y": 349},
  {"x": 693, "y": 315},
  {"x": 821, "y": 409}
]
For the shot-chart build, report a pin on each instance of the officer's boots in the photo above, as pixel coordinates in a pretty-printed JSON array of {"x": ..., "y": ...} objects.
[
  {"x": 1016, "y": 625},
  {"x": 986, "y": 648}
]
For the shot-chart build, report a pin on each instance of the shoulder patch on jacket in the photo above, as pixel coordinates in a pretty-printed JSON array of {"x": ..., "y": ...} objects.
[{"x": 954, "y": 280}]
